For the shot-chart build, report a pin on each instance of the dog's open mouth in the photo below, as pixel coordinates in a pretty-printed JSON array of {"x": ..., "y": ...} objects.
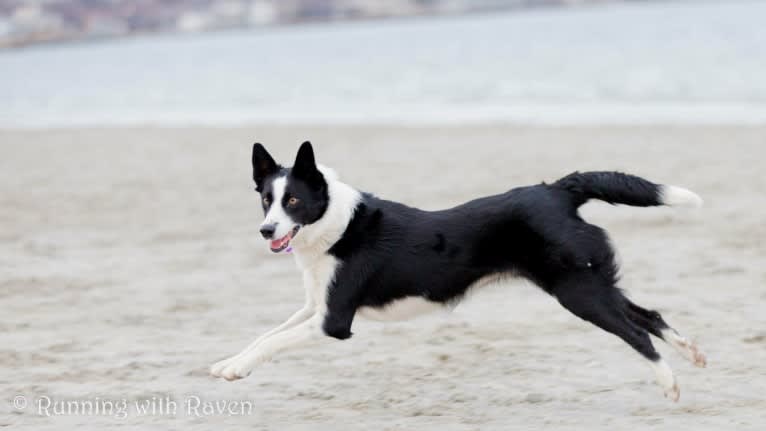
[{"x": 281, "y": 244}]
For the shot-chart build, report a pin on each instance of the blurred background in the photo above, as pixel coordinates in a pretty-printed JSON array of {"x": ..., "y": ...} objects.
[
  {"x": 130, "y": 259},
  {"x": 90, "y": 62}
]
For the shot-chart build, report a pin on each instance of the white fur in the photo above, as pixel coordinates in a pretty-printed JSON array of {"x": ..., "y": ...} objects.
[
  {"x": 304, "y": 333},
  {"x": 277, "y": 215},
  {"x": 310, "y": 250},
  {"x": 409, "y": 307},
  {"x": 488, "y": 280},
  {"x": 304, "y": 328},
  {"x": 401, "y": 309},
  {"x": 308, "y": 310},
  {"x": 686, "y": 348},
  {"x": 666, "y": 379},
  {"x": 679, "y": 196}
]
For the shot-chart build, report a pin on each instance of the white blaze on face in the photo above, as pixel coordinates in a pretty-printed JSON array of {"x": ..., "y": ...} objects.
[{"x": 276, "y": 215}]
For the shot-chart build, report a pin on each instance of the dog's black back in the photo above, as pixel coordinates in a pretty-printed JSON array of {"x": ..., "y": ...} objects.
[{"x": 391, "y": 251}]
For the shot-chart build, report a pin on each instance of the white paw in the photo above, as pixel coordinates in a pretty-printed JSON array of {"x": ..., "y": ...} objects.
[
  {"x": 238, "y": 369},
  {"x": 695, "y": 356},
  {"x": 673, "y": 393},
  {"x": 666, "y": 379},
  {"x": 216, "y": 369},
  {"x": 687, "y": 348}
]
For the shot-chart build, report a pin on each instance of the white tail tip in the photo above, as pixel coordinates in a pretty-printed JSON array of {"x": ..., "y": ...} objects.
[{"x": 679, "y": 197}]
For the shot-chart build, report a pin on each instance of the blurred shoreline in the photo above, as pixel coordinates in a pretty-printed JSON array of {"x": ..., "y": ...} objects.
[
  {"x": 633, "y": 66},
  {"x": 26, "y": 23},
  {"x": 246, "y": 133},
  {"x": 755, "y": 121}
]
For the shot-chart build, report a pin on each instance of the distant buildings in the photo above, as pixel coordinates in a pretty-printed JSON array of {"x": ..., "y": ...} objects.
[{"x": 24, "y": 22}]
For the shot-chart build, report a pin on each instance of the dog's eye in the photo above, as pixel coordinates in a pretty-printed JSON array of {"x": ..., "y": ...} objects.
[
  {"x": 293, "y": 201},
  {"x": 266, "y": 201}
]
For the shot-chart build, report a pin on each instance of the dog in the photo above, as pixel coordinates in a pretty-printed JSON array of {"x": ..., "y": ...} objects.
[{"x": 383, "y": 260}]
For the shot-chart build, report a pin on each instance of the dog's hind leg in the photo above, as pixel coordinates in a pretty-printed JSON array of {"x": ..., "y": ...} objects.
[
  {"x": 653, "y": 322},
  {"x": 590, "y": 298}
]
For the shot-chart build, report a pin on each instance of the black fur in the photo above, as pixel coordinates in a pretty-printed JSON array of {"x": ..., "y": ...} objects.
[
  {"x": 305, "y": 183},
  {"x": 612, "y": 187},
  {"x": 308, "y": 185},
  {"x": 391, "y": 251},
  {"x": 264, "y": 166}
]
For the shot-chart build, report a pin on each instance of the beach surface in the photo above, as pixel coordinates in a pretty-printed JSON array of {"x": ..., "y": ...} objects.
[{"x": 130, "y": 261}]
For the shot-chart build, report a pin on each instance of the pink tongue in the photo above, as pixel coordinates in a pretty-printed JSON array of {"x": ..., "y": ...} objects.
[{"x": 278, "y": 243}]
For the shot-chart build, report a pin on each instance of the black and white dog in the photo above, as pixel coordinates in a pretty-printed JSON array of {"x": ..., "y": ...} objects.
[{"x": 387, "y": 261}]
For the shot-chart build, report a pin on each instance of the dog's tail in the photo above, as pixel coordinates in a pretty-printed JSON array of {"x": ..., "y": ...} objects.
[{"x": 619, "y": 188}]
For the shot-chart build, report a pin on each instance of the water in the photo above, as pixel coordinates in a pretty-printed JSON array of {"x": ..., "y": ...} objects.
[{"x": 683, "y": 62}]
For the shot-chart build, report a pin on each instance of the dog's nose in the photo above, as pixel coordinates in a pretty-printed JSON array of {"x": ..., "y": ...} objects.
[{"x": 268, "y": 230}]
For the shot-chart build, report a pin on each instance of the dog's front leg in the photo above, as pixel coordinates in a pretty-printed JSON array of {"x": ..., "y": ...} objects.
[
  {"x": 300, "y": 316},
  {"x": 306, "y": 333}
]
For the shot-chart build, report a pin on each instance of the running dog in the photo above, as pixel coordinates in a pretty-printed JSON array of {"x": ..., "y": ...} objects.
[{"x": 383, "y": 260}]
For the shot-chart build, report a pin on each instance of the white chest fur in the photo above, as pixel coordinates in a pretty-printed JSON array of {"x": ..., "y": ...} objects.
[{"x": 318, "y": 273}]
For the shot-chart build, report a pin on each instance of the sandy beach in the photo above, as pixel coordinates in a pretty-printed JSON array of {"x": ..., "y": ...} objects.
[{"x": 130, "y": 262}]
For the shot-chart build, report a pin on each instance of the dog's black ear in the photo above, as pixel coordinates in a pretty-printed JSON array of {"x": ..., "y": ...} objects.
[
  {"x": 305, "y": 167},
  {"x": 304, "y": 161},
  {"x": 263, "y": 165}
]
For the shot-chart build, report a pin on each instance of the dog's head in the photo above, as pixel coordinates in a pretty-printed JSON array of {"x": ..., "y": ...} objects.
[{"x": 292, "y": 198}]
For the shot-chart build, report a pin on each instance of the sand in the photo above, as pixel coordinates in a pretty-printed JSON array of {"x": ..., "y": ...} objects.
[{"x": 130, "y": 262}]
